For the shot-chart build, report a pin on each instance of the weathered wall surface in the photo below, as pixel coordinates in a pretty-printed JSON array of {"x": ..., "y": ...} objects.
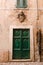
[
  {"x": 40, "y": 23},
  {"x": 8, "y": 17}
]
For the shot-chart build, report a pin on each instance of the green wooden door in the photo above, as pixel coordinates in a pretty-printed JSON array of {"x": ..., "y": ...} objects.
[{"x": 21, "y": 44}]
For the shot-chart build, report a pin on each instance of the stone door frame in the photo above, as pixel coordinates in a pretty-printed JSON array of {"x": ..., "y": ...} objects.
[{"x": 31, "y": 42}]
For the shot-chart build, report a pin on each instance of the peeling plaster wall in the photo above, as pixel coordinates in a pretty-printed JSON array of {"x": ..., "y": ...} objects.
[{"x": 8, "y": 17}]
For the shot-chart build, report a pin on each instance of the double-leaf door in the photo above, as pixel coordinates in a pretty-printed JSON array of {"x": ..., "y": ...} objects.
[{"x": 21, "y": 44}]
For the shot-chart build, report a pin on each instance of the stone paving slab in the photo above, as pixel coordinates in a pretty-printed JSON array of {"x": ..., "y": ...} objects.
[{"x": 22, "y": 63}]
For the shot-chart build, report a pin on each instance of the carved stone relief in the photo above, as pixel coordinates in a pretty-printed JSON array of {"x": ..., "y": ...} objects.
[{"x": 21, "y": 16}]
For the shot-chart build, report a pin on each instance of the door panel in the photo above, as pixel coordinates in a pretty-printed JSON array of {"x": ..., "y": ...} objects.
[{"x": 21, "y": 43}]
